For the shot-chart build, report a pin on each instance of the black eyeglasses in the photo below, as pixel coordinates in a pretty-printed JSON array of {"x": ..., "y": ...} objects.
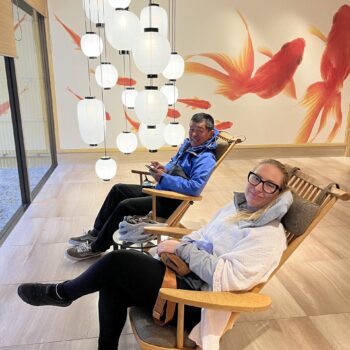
[{"x": 267, "y": 186}]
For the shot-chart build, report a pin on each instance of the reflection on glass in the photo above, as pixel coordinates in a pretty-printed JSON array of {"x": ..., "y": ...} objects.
[
  {"x": 10, "y": 193},
  {"x": 32, "y": 92}
]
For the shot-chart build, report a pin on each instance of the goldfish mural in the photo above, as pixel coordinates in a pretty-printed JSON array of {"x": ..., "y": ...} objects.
[
  {"x": 195, "y": 103},
  {"x": 5, "y": 106},
  {"x": 269, "y": 80},
  {"x": 74, "y": 36},
  {"x": 323, "y": 98}
]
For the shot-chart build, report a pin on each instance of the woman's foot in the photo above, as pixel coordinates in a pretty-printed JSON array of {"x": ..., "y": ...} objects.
[{"x": 39, "y": 294}]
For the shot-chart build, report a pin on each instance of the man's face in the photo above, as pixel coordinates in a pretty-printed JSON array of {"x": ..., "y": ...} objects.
[{"x": 198, "y": 133}]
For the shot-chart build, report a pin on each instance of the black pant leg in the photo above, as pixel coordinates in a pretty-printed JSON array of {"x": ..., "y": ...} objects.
[
  {"x": 124, "y": 278},
  {"x": 117, "y": 194}
]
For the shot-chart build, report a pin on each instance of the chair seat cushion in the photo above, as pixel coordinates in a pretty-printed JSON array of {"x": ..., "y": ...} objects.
[
  {"x": 300, "y": 215},
  {"x": 151, "y": 333}
]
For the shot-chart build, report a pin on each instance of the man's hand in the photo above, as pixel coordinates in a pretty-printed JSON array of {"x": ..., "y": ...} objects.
[
  {"x": 156, "y": 173},
  {"x": 158, "y": 166},
  {"x": 167, "y": 246}
]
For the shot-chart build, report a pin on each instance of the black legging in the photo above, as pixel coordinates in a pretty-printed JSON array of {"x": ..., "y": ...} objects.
[
  {"x": 123, "y": 200},
  {"x": 123, "y": 278}
]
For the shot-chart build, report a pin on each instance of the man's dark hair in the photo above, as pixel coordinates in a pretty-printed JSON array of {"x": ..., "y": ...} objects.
[{"x": 207, "y": 118}]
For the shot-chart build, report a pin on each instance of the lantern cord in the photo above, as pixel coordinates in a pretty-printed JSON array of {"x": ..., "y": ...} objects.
[
  {"x": 174, "y": 24},
  {"x": 130, "y": 70},
  {"x": 20, "y": 24},
  {"x": 102, "y": 91},
  {"x": 125, "y": 95},
  {"x": 174, "y": 105},
  {"x": 104, "y": 29},
  {"x": 90, "y": 16},
  {"x": 88, "y": 61}
]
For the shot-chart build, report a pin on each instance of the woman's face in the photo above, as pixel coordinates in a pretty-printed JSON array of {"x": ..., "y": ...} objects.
[{"x": 257, "y": 196}]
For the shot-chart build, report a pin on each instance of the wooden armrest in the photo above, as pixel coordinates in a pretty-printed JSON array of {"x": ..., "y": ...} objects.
[
  {"x": 141, "y": 172},
  {"x": 176, "y": 232},
  {"x": 339, "y": 193},
  {"x": 170, "y": 194},
  {"x": 230, "y": 301}
]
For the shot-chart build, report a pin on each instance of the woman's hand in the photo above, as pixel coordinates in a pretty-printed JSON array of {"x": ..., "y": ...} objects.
[{"x": 167, "y": 246}]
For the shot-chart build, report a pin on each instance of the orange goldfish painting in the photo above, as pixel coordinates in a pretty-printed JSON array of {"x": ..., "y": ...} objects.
[
  {"x": 75, "y": 37},
  {"x": 194, "y": 103},
  {"x": 5, "y": 106},
  {"x": 108, "y": 116},
  {"x": 132, "y": 122},
  {"x": 269, "y": 80},
  {"x": 223, "y": 125},
  {"x": 323, "y": 98},
  {"x": 15, "y": 27},
  {"x": 173, "y": 113}
]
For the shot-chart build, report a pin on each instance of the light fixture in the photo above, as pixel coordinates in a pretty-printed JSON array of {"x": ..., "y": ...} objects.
[
  {"x": 174, "y": 134},
  {"x": 97, "y": 10},
  {"x": 151, "y": 106},
  {"x": 129, "y": 96},
  {"x": 152, "y": 137},
  {"x": 122, "y": 29},
  {"x": 106, "y": 168},
  {"x": 171, "y": 93},
  {"x": 151, "y": 52},
  {"x": 121, "y": 4},
  {"x": 106, "y": 75},
  {"x": 154, "y": 16},
  {"x": 175, "y": 68},
  {"x": 91, "y": 45},
  {"x": 126, "y": 142},
  {"x": 91, "y": 113}
]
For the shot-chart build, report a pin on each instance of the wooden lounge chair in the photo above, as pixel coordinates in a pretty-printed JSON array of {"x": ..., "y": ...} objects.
[
  {"x": 225, "y": 143},
  {"x": 311, "y": 203}
]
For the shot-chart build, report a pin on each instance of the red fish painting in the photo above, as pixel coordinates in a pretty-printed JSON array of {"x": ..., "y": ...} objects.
[
  {"x": 269, "y": 80},
  {"x": 132, "y": 122},
  {"x": 223, "y": 125},
  {"x": 122, "y": 81},
  {"x": 19, "y": 22},
  {"x": 323, "y": 98},
  {"x": 194, "y": 103},
  {"x": 5, "y": 106},
  {"x": 173, "y": 113},
  {"x": 108, "y": 116},
  {"x": 75, "y": 37}
]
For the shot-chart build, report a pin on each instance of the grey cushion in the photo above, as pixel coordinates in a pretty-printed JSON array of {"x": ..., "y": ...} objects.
[
  {"x": 151, "y": 333},
  {"x": 300, "y": 215}
]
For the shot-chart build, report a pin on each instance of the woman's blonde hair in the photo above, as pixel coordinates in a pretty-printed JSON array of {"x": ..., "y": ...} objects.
[{"x": 246, "y": 215}]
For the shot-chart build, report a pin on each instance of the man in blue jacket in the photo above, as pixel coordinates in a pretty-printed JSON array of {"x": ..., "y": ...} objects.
[{"x": 187, "y": 172}]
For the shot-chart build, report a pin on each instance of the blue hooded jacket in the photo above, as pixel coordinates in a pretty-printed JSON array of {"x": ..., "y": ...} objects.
[{"x": 197, "y": 163}]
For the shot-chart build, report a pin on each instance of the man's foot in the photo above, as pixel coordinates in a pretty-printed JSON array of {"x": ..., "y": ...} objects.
[
  {"x": 86, "y": 237},
  {"x": 38, "y": 294},
  {"x": 81, "y": 252}
]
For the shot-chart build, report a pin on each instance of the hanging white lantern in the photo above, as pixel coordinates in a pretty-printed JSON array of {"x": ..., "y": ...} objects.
[
  {"x": 171, "y": 93},
  {"x": 97, "y": 10},
  {"x": 152, "y": 137},
  {"x": 175, "y": 68},
  {"x": 151, "y": 52},
  {"x": 91, "y": 45},
  {"x": 91, "y": 119},
  {"x": 106, "y": 168},
  {"x": 129, "y": 97},
  {"x": 106, "y": 75},
  {"x": 120, "y": 4},
  {"x": 151, "y": 106},
  {"x": 122, "y": 29},
  {"x": 174, "y": 134},
  {"x": 156, "y": 17},
  {"x": 126, "y": 142}
]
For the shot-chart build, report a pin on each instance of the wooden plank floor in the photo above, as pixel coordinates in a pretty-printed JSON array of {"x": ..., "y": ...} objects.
[{"x": 311, "y": 293}]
